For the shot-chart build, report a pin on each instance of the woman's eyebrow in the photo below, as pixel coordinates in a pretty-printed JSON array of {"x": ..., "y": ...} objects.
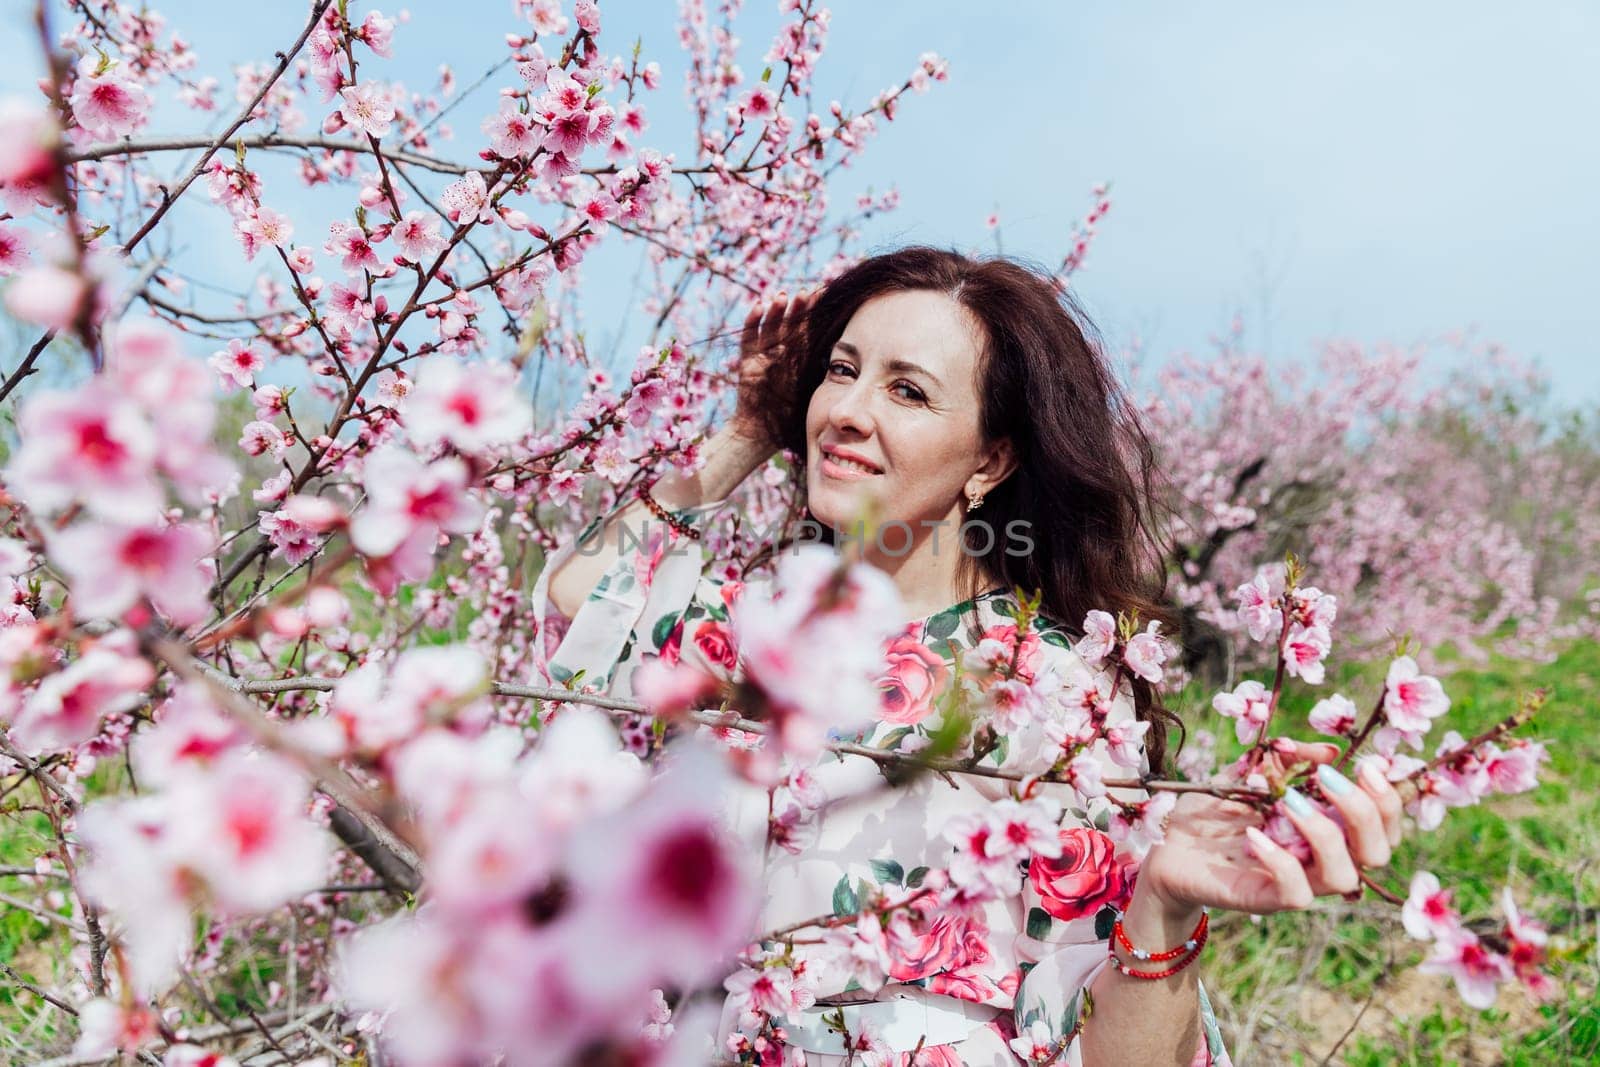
[{"x": 897, "y": 366}]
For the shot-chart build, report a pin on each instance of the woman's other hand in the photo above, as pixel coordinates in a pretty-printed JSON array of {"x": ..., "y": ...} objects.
[
  {"x": 771, "y": 331},
  {"x": 1216, "y": 854}
]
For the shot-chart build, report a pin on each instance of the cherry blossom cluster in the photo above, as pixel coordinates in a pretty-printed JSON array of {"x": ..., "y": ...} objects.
[
  {"x": 1274, "y": 606},
  {"x": 823, "y": 609},
  {"x": 564, "y": 884},
  {"x": 1479, "y": 963}
]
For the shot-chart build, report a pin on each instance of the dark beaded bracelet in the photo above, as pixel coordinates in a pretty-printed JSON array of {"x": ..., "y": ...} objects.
[{"x": 683, "y": 528}]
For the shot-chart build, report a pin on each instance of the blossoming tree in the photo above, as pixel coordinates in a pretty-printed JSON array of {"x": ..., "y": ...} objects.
[{"x": 266, "y": 700}]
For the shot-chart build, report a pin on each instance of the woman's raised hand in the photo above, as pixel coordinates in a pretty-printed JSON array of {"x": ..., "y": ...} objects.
[
  {"x": 1216, "y": 854},
  {"x": 769, "y": 331}
]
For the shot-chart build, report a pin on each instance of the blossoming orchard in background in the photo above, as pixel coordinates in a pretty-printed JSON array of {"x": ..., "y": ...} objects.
[{"x": 266, "y": 701}]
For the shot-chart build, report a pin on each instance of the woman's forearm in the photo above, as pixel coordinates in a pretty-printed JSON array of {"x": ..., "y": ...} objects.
[
  {"x": 1146, "y": 1021},
  {"x": 729, "y": 458}
]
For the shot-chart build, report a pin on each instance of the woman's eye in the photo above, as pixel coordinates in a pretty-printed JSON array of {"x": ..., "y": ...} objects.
[
  {"x": 911, "y": 391},
  {"x": 839, "y": 367}
]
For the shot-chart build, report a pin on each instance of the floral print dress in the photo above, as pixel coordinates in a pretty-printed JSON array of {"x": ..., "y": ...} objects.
[{"x": 973, "y": 984}]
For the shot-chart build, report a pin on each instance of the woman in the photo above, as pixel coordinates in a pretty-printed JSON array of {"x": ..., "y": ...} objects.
[{"x": 939, "y": 385}]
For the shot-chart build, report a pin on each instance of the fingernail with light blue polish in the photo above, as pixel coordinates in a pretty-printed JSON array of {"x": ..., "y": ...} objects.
[
  {"x": 1333, "y": 781},
  {"x": 1297, "y": 801}
]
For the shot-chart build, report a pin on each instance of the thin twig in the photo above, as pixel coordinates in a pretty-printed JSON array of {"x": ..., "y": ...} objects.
[{"x": 284, "y": 60}]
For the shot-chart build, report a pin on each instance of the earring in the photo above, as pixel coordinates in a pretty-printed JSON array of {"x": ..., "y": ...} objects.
[{"x": 974, "y": 501}]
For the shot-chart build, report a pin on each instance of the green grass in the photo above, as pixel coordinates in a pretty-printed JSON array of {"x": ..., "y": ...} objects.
[{"x": 1290, "y": 985}]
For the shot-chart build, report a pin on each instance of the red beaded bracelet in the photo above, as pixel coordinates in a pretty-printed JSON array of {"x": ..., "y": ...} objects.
[
  {"x": 1189, "y": 950},
  {"x": 1170, "y": 954}
]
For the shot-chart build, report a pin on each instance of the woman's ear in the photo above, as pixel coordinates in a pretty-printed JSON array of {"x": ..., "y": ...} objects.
[{"x": 1000, "y": 461}]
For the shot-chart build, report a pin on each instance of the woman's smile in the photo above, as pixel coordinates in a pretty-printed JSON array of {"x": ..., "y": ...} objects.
[{"x": 846, "y": 466}]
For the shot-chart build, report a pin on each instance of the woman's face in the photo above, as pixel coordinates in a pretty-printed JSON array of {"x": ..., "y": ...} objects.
[{"x": 896, "y": 416}]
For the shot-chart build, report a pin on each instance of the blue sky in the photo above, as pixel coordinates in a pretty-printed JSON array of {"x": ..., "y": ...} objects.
[{"x": 1365, "y": 170}]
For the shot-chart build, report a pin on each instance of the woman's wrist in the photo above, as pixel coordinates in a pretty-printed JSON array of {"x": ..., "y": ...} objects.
[
  {"x": 1155, "y": 917},
  {"x": 728, "y": 457}
]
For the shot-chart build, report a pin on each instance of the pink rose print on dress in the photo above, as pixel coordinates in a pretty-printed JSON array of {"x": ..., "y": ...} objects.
[
  {"x": 671, "y": 647},
  {"x": 930, "y": 949},
  {"x": 914, "y": 677},
  {"x": 1083, "y": 879},
  {"x": 715, "y": 643}
]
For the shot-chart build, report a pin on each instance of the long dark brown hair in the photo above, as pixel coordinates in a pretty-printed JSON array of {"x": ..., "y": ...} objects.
[{"x": 1085, "y": 476}]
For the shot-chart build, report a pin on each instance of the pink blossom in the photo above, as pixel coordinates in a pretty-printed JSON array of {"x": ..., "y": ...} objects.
[
  {"x": 377, "y": 30},
  {"x": 760, "y": 103},
  {"x": 512, "y": 134},
  {"x": 1084, "y": 774},
  {"x": 766, "y": 990},
  {"x": 859, "y": 952},
  {"x": 409, "y": 504},
  {"x": 580, "y": 770},
  {"x": 570, "y": 122},
  {"x": 93, "y": 445},
  {"x": 189, "y": 736},
  {"x": 1010, "y": 704},
  {"x": 134, "y": 870},
  {"x": 347, "y": 310},
  {"x": 274, "y": 488},
  {"x": 1258, "y": 605},
  {"x": 353, "y": 246},
  {"x": 990, "y": 843},
  {"x": 1313, "y": 608},
  {"x": 258, "y": 437},
  {"x": 104, "y": 104},
  {"x": 294, "y": 541},
  {"x": 1412, "y": 700},
  {"x": 587, "y": 14},
  {"x": 1304, "y": 652},
  {"x": 1125, "y": 742},
  {"x": 195, "y": 1056},
  {"x": 1477, "y": 969},
  {"x": 246, "y": 832},
  {"x": 1334, "y": 715},
  {"x": 417, "y": 236},
  {"x": 66, "y": 708},
  {"x": 597, "y": 210},
  {"x": 467, "y": 200},
  {"x": 106, "y": 1028},
  {"x": 47, "y": 296},
  {"x": 1145, "y": 653},
  {"x": 27, "y": 141},
  {"x": 145, "y": 363},
  {"x": 1527, "y": 949},
  {"x": 1249, "y": 708},
  {"x": 269, "y": 400},
  {"x": 264, "y": 227},
  {"x": 1428, "y": 913},
  {"x": 474, "y": 407},
  {"x": 367, "y": 107},
  {"x": 779, "y": 638},
  {"x": 1098, "y": 640},
  {"x": 1514, "y": 769},
  {"x": 1139, "y": 834},
  {"x": 112, "y": 566},
  {"x": 675, "y": 893},
  {"x": 201, "y": 95},
  {"x": 14, "y": 254},
  {"x": 238, "y": 364}
]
